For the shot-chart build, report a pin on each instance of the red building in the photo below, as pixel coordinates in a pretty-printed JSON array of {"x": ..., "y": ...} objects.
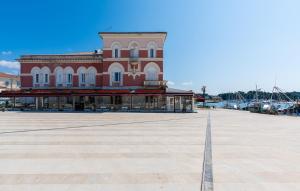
[{"x": 127, "y": 74}]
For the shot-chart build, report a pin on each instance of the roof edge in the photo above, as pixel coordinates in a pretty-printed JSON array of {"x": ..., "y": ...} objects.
[{"x": 158, "y": 32}]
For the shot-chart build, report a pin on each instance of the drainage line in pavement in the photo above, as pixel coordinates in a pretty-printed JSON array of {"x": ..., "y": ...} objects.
[{"x": 207, "y": 171}]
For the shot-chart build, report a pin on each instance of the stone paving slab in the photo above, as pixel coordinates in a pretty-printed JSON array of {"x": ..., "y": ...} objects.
[
  {"x": 101, "y": 151},
  {"x": 254, "y": 152},
  {"x": 146, "y": 151}
]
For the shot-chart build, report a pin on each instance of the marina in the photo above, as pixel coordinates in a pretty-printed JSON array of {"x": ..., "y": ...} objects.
[{"x": 278, "y": 103}]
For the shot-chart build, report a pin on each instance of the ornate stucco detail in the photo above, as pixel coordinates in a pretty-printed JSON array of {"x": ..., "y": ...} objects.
[{"x": 134, "y": 69}]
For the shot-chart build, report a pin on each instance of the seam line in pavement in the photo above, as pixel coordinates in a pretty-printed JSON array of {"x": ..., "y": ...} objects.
[
  {"x": 94, "y": 125},
  {"x": 207, "y": 171}
]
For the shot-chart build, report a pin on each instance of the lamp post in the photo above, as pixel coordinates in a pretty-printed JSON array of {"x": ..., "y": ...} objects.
[{"x": 203, "y": 94}]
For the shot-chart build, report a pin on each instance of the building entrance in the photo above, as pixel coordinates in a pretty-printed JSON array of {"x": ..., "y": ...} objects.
[{"x": 79, "y": 103}]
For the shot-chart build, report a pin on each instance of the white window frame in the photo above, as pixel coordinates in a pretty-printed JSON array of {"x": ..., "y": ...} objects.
[
  {"x": 148, "y": 70},
  {"x": 34, "y": 72},
  {"x": 82, "y": 79},
  {"x": 46, "y": 78},
  {"x": 91, "y": 76},
  {"x": 116, "y": 46},
  {"x": 69, "y": 78},
  {"x": 113, "y": 68},
  {"x": 152, "y": 46},
  {"x": 59, "y": 77},
  {"x": 117, "y": 77},
  {"x": 37, "y": 78}
]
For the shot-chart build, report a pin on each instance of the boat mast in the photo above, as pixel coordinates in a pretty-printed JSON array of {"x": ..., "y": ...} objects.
[{"x": 256, "y": 93}]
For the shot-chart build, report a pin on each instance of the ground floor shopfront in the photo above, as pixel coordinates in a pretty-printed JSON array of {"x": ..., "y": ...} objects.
[{"x": 155, "y": 102}]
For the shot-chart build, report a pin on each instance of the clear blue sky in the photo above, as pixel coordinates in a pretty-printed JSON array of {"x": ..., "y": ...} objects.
[{"x": 226, "y": 45}]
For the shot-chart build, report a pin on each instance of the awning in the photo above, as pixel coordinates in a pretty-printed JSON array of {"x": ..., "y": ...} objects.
[{"x": 80, "y": 92}]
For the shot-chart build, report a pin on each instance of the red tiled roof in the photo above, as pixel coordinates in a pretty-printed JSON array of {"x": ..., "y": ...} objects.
[{"x": 5, "y": 75}]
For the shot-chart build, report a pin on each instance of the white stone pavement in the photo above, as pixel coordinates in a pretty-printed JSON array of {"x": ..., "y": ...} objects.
[
  {"x": 255, "y": 152},
  {"x": 146, "y": 151},
  {"x": 101, "y": 151}
]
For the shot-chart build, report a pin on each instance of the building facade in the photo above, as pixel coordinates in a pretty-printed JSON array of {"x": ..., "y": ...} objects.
[
  {"x": 9, "y": 82},
  {"x": 125, "y": 75}
]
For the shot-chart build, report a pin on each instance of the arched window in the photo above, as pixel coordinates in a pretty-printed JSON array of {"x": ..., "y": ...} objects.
[
  {"x": 35, "y": 73},
  {"x": 82, "y": 76},
  {"x": 152, "y": 47},
  {"x": 44, "y": 76},
  {"x": 151, "y": 71},
  {"x": 59, "y": 76},
  {"x": 134, "y": 50},
  {"x": 68, "y": 73},
  {"x": 7, "y": 83},
  {"x": 116, "y": 50},
  {"x": 116, "y": 72},
  {"x": 91, "y": 76},
  {"x": 151, "y": 74}
]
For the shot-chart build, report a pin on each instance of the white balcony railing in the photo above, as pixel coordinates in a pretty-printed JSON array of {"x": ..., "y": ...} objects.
[
  {"x": 41, "y": 85},
  {"x": 134, "y": 58},
  {"x": 116, "y": 84}
]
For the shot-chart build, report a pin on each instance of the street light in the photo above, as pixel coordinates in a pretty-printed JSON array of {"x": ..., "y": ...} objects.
[{"x": 203, "y": 90}]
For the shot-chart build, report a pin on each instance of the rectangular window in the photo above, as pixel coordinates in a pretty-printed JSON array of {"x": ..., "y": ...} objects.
[
  {"x": 116, "y": 53},
  {"x": 69, "y": 78},
  {"x": 37, "y": 78},
  {"x": 46, "y": 78},
  {"x": 151, "y": 53},
  {"x": 82, "y": 78},
  {"x": 117, "y": 76}
]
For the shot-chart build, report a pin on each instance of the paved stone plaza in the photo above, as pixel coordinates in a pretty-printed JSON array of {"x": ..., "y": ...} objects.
[
  {"x": 146, "y": 151},
  {"x": 255, "y": 152}
]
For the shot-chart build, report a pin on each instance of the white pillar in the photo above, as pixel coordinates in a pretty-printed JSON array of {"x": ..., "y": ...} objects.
[
  {"x": 42, "y": 100},
  {"x": 73, "y": 98},
  {"x": 193, "y": 104},
  {"x": 14, "y": 102},
  {"x": 36, "y": 103}
]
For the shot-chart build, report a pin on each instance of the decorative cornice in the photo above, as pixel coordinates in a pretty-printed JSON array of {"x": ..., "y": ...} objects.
[
  {"x": 125, "y": 48},
  {"x": 98, "y": 74},
  {"x": 127, "y": 35},
  {"x": 128, "y": 59},
  {"x": 59, "y": 61}
]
